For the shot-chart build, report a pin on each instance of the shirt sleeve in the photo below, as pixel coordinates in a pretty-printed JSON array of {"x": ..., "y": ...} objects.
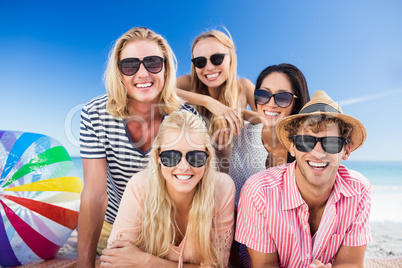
[
  {"x": 252, "y": 223},
  {"x": 128, "y": 220},
  {"x": 224, "y": 215},
  {"x": 359, "y": 232},
  {"x": 90, "y": 144}
]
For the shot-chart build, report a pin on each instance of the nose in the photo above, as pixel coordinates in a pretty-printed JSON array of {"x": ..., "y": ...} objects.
[
  {"x": 318, "y": 151},
  {"x": 271, "y": 102},
  {"x": 183, "y": 164},
  {"x": 209, "y": 65},
  {"x": 142, "y": 72}
]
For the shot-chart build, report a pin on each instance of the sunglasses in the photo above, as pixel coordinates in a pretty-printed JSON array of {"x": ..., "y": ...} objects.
[
  {"x": 282, "y": 99},
  {"x": 130, "y": 66},
  {"x": 331, "y": 145},
  {"x": 172, "y": 157},
  {"x": 216, "y": 59}
]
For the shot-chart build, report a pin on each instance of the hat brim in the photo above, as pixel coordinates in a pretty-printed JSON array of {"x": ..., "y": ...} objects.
[{"x": 358, "y": 136}]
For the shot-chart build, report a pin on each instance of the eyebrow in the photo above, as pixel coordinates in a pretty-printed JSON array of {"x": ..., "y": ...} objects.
[{"x": 280, "y": 90}]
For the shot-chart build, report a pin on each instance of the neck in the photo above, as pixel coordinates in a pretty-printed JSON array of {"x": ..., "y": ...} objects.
[
  {"x": 146, "y": 111},
  {"x": 214, "y": 92},
  {"x": 315, "y": 197}
]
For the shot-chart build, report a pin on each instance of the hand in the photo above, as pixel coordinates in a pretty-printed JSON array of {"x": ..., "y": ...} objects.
[
  {"x": 319, "y": 264},
  {"x": 124, "y": 254},
  {"x": 227, "y": 122}
]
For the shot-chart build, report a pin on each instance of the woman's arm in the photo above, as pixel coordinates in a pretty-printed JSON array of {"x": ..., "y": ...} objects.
[
  {"x": 230, "y": 120},
  {"x": 126, "y": 254}
]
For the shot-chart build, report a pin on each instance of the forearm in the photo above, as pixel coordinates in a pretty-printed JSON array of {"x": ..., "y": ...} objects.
[
  {"x": 194, "y": 98},
  {"x": 160, "y": 262},
  {"x": 251, "y": 116},
  {"x": 90, "y": 221}
]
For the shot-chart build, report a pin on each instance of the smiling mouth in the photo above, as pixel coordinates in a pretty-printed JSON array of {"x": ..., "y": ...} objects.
[
  {"x": 211, "y": 76},
  {"x": 271, "y": 113},
  {"x": 144, "y": 85},
  {"x": 183, "y": 177},
  {"x": 318, "y": 165}
]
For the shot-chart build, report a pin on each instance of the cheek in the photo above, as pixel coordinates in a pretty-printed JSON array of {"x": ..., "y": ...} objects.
[
  {"x": 199, "y": 73},
  {"x": 288, "y": 110}
]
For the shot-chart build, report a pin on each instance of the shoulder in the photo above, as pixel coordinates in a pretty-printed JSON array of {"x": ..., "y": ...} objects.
[
  {"x": 224, "y": 185},
  {"x": 267, "y": 180},
  {"x": 246, "y": 85},
  {"x": 137, "y": 183},
  {"x": 354, "y": 179},
  {"x": 96, "y": 103},
  {"x": 184, "y": 82}
]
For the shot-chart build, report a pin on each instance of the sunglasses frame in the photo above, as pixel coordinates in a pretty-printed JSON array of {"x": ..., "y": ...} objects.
[
  {"x": 143, "y": 62},
  {"x": 186, "y": 156},
  {"x": 211, "y": 59},
  {"x": 321, "y": 140},
  {"x": 274, "y": 96}
]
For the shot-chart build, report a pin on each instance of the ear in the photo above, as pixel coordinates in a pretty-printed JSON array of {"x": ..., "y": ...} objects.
[
  {"x": 292, "y": 149},
  {"x": 346, "y": 152}
]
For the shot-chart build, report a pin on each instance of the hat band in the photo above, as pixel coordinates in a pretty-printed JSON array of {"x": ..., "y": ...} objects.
[{"x": 319, "y": 107}]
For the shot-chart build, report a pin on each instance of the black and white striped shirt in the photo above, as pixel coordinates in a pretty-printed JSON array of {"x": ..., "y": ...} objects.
[{"x": 105, "y": 136}]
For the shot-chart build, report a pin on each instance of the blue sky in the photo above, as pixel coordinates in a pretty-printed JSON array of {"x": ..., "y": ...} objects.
[{"x": 53, "y": 54}]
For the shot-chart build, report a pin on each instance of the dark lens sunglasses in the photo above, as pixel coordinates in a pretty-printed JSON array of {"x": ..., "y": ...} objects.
[
  {"x": 331, "y": 145},
  {"x": 282, "y": 99},
  {"x": 172, "y": 157},
  {"x": 130, "y": 66},
  {"x": 216, "y": 59}
]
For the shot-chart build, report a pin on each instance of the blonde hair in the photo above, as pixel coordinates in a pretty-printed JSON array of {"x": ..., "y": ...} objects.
[
  {"x": 158, "y": 225},
  {"x": 230, "y": 90},
  {"x": 117, "y": 104}
]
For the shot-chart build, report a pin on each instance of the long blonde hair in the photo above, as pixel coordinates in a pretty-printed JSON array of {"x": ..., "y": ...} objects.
[
  {"x": 117, "y": 104},
  {"x": 230, "y": 90},
  {"x": 158, "y": 225}
]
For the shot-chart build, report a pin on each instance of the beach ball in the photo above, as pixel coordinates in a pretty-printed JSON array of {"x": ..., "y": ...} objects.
[{"x": 39, "y": 197}]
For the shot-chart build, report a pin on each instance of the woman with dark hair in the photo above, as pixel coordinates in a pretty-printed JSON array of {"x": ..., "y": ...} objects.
[{"x": 281, "y": 90}]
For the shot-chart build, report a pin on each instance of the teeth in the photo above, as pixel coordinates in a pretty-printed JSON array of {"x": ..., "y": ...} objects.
[
  {"x": 271, "y": 113},
  {"x": 183, "y": 177},
  {"x": 144, "y": 85},
  {"x": 209, "y": 76},
  {"x": 317, "y": 165}
]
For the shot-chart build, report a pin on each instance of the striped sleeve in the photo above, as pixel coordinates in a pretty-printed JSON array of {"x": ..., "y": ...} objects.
[
  {"x": 358, "y": 234},
  {"x": 252, "y": 221},
  {"x": 90, "y": 143}
]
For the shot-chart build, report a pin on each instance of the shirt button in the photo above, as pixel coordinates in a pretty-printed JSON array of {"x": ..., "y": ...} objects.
[
  {"x": 305, "y": 226},
  {"x": 307, "y": 256}
]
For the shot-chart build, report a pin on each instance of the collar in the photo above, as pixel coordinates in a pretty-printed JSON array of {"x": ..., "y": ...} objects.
[{"x": 292, "y": 198}]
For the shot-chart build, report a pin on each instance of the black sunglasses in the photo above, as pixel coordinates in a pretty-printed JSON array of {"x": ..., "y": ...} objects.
[
  {"x": 282, "y": 99},
  {"x": 331, "y": 145},
  {"x": 172, "y": 157},
  {"x": 216, "y": 59},
  {"x": 153, "y": 64}
]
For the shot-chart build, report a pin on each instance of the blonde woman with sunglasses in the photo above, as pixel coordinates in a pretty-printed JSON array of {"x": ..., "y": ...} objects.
[
  {"x": 180, "y": 211},
  {"x": 214, "y": 88},
  {"x": 118, "y": 128}
]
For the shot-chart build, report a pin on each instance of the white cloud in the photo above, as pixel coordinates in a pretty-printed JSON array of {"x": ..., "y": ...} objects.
[{"x": 343, "y": 103}]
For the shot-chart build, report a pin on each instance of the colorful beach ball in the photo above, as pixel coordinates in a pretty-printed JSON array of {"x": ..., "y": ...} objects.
[{"x": 39, "y": 197}]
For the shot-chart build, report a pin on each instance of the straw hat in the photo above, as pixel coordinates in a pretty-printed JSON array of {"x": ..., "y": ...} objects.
[{"x": 321, "y": 103}]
